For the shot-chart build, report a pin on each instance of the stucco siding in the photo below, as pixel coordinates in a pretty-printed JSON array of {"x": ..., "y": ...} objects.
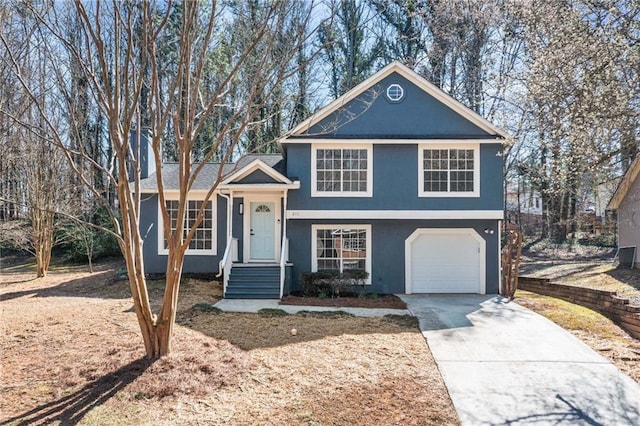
[
  {"x": 418, "y": 114},
  {"x": 395, "y": 182},
  {"x": 629, "y": 220},
  {"x": 388, "y": 249},
  {"x": 157, "y": 263}
]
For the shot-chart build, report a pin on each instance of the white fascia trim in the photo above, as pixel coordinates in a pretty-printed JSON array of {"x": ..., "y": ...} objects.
[
  {"x": 332, "y": 145},
  {"x": 625, "y": 184},
  {"x": 197, "y": 196},
  {"x": 314, "y": 243},
  {"x": 399, "y": 141},
  {"x": 395, "y": 214},
  {"x": 413, "y": 77},
  {"x": 252, "y": 167},
  {"x": 258, "y": 187},
  {"x": 449, "y": 194}
]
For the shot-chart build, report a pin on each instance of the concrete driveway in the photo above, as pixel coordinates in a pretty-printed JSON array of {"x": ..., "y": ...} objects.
[{"x": 506, "y": 365}]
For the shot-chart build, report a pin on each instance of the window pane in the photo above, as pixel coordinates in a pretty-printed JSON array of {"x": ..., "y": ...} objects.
[
  {"x": 335, "y": 170},
  {"x": 203, "y": 236},
  {"x": 448, "y": 170},
  {"x": 341, "y": 249}
]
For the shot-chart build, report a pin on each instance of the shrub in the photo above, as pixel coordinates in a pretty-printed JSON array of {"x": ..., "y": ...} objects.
[
  {"x": 206, "y": 307},
  {"x": 271, "y": 313},
  {"x": 315, "y": 284},
  {"x": 85, "y": 241}
]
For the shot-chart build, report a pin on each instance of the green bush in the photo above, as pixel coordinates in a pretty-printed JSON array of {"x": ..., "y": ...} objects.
[
  {"x": 78, "y": 236},
  {"x": 206, "y": 307},
  {"x": 315, "y": 284},
  {"x": 272, "y": 313}
]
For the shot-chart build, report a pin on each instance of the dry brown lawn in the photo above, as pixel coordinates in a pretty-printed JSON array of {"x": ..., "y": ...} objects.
[{"x": 72, "y": 353}]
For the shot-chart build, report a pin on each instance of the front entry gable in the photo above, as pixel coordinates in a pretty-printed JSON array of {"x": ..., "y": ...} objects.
[
  {"x": 395, "y": 103},
  {"x": 257, "y": 175}
]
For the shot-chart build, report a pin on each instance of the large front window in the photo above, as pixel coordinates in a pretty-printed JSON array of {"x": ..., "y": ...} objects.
[
  {"x": 203, "y": 241},
  {"x": 341, "y": 171},
  {"x": 340, "y": 248},
  {"x": 449, "y": 171}
]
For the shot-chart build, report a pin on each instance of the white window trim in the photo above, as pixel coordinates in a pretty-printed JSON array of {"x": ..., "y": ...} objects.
[
  {"x": 314, "y": 186},
  {"x": 314, "y": 244},
  {"x": 449, "y": 194},
  {"x": 214, "y": 231}
]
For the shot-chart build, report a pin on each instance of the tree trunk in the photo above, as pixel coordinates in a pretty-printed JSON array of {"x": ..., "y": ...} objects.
[
  {"x": 167, "y": 316},
  {"x": 42, "y": 228}
]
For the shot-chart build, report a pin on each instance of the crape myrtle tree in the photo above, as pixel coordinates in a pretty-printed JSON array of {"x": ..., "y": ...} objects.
[{"x": 120, "y": 61}]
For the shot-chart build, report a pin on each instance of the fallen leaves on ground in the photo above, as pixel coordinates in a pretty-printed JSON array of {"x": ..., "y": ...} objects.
[{"x": 72, "y": 353}]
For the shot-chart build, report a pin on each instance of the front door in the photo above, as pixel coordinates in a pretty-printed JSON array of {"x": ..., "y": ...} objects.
[{"x": 262, "y": 231}]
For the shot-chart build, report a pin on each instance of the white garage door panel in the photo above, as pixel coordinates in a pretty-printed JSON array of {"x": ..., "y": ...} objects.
[{"x": 445, "y": 263}]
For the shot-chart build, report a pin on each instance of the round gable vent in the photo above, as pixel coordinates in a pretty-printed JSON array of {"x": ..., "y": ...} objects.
[{"x": 395, "y": 92}]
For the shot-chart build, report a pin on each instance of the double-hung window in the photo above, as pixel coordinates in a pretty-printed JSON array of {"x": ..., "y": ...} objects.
[
  {"x": 449, "y": 171},
  {"x": 341, "y": 171},
  {"x": 340, "y": 248},
  {"x": 204, "y": 238}
]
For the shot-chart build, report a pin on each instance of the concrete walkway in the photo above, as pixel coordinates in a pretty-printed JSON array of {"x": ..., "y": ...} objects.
[
  {"x": 505, "y": 365},
  {"x": 254, "y": 305}
]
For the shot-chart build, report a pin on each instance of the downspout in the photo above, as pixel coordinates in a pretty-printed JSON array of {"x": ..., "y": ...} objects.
[{"x": 284, "y": 247}]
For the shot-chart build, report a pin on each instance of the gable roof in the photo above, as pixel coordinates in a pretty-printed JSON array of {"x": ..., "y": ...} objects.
[
  {"x": 625, "y": 184},
  {"x": 413, "y": 77},
  {"x": 209, "y": 173},
  {"x": 253, "y": 166}
]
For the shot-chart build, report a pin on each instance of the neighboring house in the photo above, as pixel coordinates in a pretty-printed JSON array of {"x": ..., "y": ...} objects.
[
  {"x": 626, "y": 201},
  {"x": 523, "y": 205},
  {"x": 395, "y": 177}
]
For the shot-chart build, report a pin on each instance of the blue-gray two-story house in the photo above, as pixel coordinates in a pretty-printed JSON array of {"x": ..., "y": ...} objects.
[{"x": 395, "y": 177}]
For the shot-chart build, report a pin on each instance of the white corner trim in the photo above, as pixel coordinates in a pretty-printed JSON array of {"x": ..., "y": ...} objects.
[
  {"x": 395, "y": 214},
  {"x": 333, "y": 145},
  {"x": 482, "y": 288},
  {"x": 476, "y": 170}
]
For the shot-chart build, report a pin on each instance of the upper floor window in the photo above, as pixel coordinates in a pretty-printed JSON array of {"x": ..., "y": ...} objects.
[
  {"x": 449, "y": 171},
  {"x": 341, "y": 171},
  {"x": 203, "y": 241}
]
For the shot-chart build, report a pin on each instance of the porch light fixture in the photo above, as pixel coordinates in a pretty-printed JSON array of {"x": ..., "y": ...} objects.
[
  {"x": 240, "y": 209},
  {"x": 489, "y": 231}
]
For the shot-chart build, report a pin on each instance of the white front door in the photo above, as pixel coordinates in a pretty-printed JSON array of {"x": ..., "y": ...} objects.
[{"x": 262, "y": 231}]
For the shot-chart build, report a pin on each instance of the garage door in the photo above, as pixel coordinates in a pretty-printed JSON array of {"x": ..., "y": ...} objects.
[{"x": 445, "y": 261}]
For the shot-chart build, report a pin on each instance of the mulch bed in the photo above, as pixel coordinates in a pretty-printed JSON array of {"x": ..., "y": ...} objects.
[{"x": 388, "y": 301}]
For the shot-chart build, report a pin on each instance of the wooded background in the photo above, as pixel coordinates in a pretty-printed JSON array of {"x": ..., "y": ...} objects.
[{"x": 561, "y": 77}]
